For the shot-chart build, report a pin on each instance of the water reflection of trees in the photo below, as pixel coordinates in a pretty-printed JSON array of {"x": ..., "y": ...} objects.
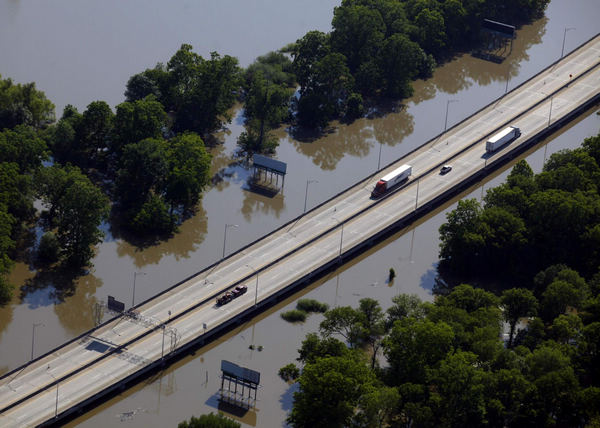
[
  {"x": 6, "y": 316},
  {"x": 392, "y": 125},
  {"x": 182, "y": 245},
  {"x": 326, "y": 152},
  {"x": 59, "y": 284},
  {"x": 465, "y": 71},
  {"x": 77, "y": 315},
  {"x": 257, "y": 203},
  {"x": 388, "y": 124}
]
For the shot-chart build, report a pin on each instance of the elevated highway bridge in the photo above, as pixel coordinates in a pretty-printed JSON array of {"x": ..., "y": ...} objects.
[{"x": 105, "y": 359}]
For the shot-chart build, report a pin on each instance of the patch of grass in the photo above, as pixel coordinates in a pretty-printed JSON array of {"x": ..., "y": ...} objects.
[
  {"x": 294, "y": 315},
  {"x": 311, "y": 305}
]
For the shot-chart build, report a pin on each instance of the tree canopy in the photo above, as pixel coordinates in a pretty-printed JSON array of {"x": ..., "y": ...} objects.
[
  {"x": 449, "y": 363},
  {"x": 22, "y": 104},
  {"x": 209, "y": 421}
]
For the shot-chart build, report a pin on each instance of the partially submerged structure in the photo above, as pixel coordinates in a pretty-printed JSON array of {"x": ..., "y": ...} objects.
[
  {"x": 264, "y": 168},
  {"x": 498, "y": 38}
]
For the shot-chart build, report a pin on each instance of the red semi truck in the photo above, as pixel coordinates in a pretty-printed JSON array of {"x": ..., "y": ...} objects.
[{"x": 390, "y": 180}]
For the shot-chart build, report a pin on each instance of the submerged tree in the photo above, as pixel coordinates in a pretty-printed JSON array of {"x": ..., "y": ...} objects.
[{"x": 76, "y": 208}]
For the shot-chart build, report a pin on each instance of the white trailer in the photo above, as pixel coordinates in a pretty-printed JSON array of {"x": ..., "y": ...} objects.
[
  {"x": 388, "y": 181},
  {"x": 501, "y": 138}
]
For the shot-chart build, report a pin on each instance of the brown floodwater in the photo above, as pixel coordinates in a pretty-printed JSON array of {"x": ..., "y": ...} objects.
[
  {"x": 191, "y": 385},
  {"x": 75, "y": 60}
]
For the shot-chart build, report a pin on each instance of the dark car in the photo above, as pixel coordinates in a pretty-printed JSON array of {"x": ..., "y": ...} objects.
[
  {"x": 445, "y": 169},
  {"x": 225, "y": 298},
  {"x": 239, "y": 290}
]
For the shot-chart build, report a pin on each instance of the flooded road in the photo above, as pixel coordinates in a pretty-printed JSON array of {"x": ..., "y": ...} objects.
[{"x": 93, "y": 58}]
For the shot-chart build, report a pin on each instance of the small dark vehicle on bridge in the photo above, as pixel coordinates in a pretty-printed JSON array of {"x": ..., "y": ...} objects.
[{"x": 230, "y": 295}]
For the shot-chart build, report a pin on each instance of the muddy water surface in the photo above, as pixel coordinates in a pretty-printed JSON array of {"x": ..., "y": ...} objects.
[{"x": 342, "y": 157}]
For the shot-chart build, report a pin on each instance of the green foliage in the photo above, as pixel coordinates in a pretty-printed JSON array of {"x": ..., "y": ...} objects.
[
  {"x": 413, "y": 345},
  {"x": 354, "y": 107},
  {"x": 289, "y": 372},
  {"x": 23, "y": 105},
  {"x": 149, "y": 82},
  {"x": 459, "y": 237},
  {"x": 144, "y": 168},
  {"x": 252, "y": 141},
  {"x": 275, "y": 67},
  {"x": 6, "y": 246},
  {"x": 343, "y": 321},
  {"x": 49, "y": 248},
  {"x": 16, "y": 193},
  {"x": 153, "y": 218},
  {"x": 529, "y": 222},
  {"x": 324, "y": 97},
  {"x": 201, "y": 91},
  {"x": 377, "y": 47},
  {"x": 404, "y": 306},
  {"x": 294, "y": 315},
  {"x": 157, "y": 177},
  {"x": 189, "y": 171},
  {"x": 446, "y": 365},
  {"x": 445, "y": 361},
  {"x": 358, "y": 32},
  {"x": 315, "y": 347},
  {"x": 329, "y": 392},
  {"x": 311, "y": 305},
  {"x": 266, "y": 106},
  {"x": 306, "y": 52},
  {"x": 136, "y": 121},
  {"x": 459, "y": 399},
  {"x": 6, "y": 291},
  {"x": 23, "y": 146},
  {"x": 377, "y": 408},
  {"x": 517, "y": 303},
  {"x": 76, "y": 207},
  {"x": 209, "y": 421}
]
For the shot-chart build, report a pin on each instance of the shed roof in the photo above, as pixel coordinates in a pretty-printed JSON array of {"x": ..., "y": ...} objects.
[{"x": 269, "y": 164}]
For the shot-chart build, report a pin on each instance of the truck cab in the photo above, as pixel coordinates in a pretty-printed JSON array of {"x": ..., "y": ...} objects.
[{"x": 379, "y": 189}]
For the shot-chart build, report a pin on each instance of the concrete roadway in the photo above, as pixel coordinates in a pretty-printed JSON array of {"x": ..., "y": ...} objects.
[{"x": 83, "y": 368}]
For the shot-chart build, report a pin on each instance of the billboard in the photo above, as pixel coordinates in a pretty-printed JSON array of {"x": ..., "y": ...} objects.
[{"x": 239, "y": 372}]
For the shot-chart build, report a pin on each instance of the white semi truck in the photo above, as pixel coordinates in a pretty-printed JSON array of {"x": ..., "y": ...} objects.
[
  {"x": 388, "y": 181},
  {"x": 501, "y": 138}
]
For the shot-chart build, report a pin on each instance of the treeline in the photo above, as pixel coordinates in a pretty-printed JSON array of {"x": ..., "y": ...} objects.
[
  {"x": 452, "y": 362},
  {"x": 377, "y": 47},
  {"x": 375, "y": 50},
  {"x": 74, "y": 206},
  {"x": 529, "y": 222},
  {"x": 148, "y": 157}
]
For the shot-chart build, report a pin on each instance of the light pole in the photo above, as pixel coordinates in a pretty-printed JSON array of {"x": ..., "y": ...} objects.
[
  {"x": 417, "y": 198},
  {"x": 227, "y": 226},
  {"x": 564, "y": 37},
  {"x": 379, "y": 158},
  {"x": 550, "y": 112},
  {"x": 135, "y": 274},
  {"x": 341, "y": 236},
  {"x": 306, "y": 193},
  {"x": 256, "y": 288},
  {"x": 447, "y": 106},
  {"x": 162, "y": 351},
  {"x": 56, "y": 403},
  {"x": 34, "y": 325}
]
